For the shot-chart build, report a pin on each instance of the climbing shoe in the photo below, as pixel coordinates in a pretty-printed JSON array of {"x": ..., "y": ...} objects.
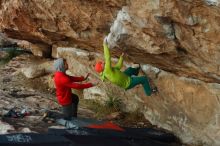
[{"x": 154, "y": 90}]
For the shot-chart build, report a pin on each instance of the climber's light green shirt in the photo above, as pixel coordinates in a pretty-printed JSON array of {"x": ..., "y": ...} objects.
[{"x": 114, "y": 74}]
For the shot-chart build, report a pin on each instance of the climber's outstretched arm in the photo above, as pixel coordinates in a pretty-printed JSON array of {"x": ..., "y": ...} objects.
[
  {"x": 120, "y": 62},
  {"x": 107, "y": 56}
]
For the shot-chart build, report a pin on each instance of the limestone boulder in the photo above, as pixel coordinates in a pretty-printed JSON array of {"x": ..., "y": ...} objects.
[
  {"x": 46, "y": 23},
  {"x": 177, "y": 36},
  {"x": 38, "y": 70},
  {"x": 41, "y": 50},
  {"x": 5, "y": 41},
  {"x": 5, "y": 128},
  {"x": 33, "y": 71}
]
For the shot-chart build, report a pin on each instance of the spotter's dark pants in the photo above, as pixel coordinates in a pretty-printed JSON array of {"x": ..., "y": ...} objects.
[{"x": 70, "y": 110}]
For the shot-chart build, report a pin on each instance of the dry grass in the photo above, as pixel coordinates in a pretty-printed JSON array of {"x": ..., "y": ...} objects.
[
  {"x": 101, "y": 110},
  {"x": 112, "y": 105}
]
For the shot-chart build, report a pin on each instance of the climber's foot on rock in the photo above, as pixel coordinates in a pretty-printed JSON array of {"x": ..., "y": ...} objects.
[
  {"x": 154, "y": 90},
  {"x": 136, "y": 65}
]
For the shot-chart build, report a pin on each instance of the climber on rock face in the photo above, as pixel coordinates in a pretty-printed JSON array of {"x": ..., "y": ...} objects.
[
  {"x": 126, "y": 79},
  {"x": 63, "y": 84}
]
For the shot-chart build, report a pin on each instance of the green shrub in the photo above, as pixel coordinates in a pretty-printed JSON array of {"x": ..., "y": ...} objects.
[
  {"x": 113, "y": 103},
  {"x": 12, "y": 52},
  {"x": 101, "y": 110}
]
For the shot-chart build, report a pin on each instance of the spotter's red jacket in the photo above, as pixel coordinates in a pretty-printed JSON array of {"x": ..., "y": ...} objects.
[{"x": 64, "y": 83}]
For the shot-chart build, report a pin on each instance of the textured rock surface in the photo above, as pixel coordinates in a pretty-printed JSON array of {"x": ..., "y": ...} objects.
[
  {"x": 5, "y": 128},
  {"x": 5, "y": 41},
  {"x": 47, "y": 23},
  {"x": 38, "y": 70},
  {"x": 180, "y": 38},
  {"x": 33, "y": 71},
  {"x": 41, "y": 50}
]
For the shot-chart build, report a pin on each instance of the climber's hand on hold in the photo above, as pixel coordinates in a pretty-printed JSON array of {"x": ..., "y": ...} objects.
[
  {"x": 106, "y": 40},
  {"x": 95, "y": 82},
  {"x": 87, "y": 76}
]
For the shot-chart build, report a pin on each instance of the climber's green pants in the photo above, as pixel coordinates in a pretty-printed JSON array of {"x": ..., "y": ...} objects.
[{"x": 135, "y": 80}]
